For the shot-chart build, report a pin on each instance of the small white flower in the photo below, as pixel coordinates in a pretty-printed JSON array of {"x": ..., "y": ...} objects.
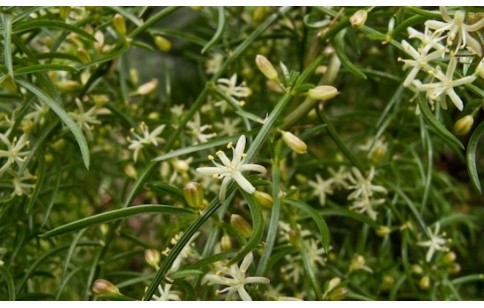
[
  {"x": 321, "y": 188},
  {"x": 228, "y": 127},
  {"x": 427, "y": 38},
  {"x": 214, "y": 63},
  {"x": 197, "y": 129},
  {"x": 232, "y": 169},
  {"x": 148, "y": 138},
  {"x": 362, "y": 195},
  {"x": 339, "y": 178},
  {"x": 166, "y": 294},
  {"x": 457, "y": 27},
  {"x": 85, "y": 118},
  {"x": 229, "y": 87},
  {"x": 236, "y": 279},
  {"x": 435, "y": 243},
  {"x": 21, "y": 187},
  {"x": 445, "y": 86},
  {"x": 419, "y": 62},
  {"x": 13, "y": 153}
]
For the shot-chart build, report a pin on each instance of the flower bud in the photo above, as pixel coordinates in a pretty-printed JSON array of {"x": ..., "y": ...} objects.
[
  {"x": 416, "y": 269},
  {"x": 68, "y": 85},
  {"x": 449, "y": 257},
  {"x": 148, "y": 87},
  {"x": 241, "y": 225},
  {"x": 358, "y": 19},
  {"x": 292, "y": 141},
  {"x": 9, "y": 84},
  {"x": 119, "y": 24},
  {"x": 100, "y": 100},
  {"x": 163, "y": 44},
  {"x": 259, "y": 14},
  {"x": 383, "y": 231},
  {"x": 464, "y": 125},
  {"x": 83, "y": 55},
  {"x": 225, "y": 242},
  {"x": 193, "y": 193},
  {"x": 387, "y": 282},
  {"x": 264, "y": 199},
  {"x": 265, "y": 66},
  {"x": 333, "y": 283},
  {"x": 424, "y": 283},
  {"x": 104, "y": 287},
  {"x": 152, "y": 257},
  {"x": 130, "y": 171},
  {"x": 64, "y": 11},
  {"x": 338, "y": 294},
  {"x": 323, "y": 92},
  {"x": 27, "y": 126}
]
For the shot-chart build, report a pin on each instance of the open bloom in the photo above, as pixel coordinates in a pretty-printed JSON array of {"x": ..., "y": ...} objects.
[
  {"x": 148, "y": 138},
  {"x": 363, "y": 190},
  {"x": 434, "y": 243},
  {"x": 232, "y": 169},
  {"x": 237, "y": 279},
  {"x": 13, "y": 153}
]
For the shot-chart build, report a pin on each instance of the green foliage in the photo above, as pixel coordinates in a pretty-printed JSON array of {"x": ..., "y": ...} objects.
[{"x": 106, "y": 113}]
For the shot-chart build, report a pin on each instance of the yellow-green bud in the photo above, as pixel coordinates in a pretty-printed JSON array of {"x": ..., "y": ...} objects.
[
  {"x": 163, "y": 44},
  {"x": 193, "y": 193},
  {"x": 226, "y": 242},
  {"x": 449, "y": 257},
  {"x": 338, "y": 294},
  {"x": 100, "y": 100},
  {"x": 134, "y": 75},
  {"x": 464, "y": 125},
  {"x": 417, "y": 269},
  {"x": 104, "y": 287},
  {"x": 9, "y": 84},
  {"x": 260, "y": 12},
  {"x": 383, "y": 231},
  {"x": 83, "y": 55},
  {"x": 148, "y": 87},
  {"x": 27, "y": 126},
  {"x": 387, "y": 282},
  {"x": 68, "y": 85},
  {"x": 265, "y": 66},
  {"x": 241, "y": 225},
  {"x": 424, "y": 283},
  {"x": 333, "y": 283},
  {"x": 455, "y": 269},
  {"x": 292, "y": 141},
  {"x": 358, "y": 19},
  {"x": 130, "y": 171},
  {"x": 323, "y": 92},
  {"x": 64, "y": 11},
  {"x": 152, "y": 257},
  {"x": 180, "y": 166},
  {"x": 264, "y": 199},
  {"x": 119, "y": 24}
]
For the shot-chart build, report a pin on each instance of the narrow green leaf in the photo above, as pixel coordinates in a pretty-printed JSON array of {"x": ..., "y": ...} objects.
[
  {"x": 153, "y": 20},
  {"x": 468, "y": 278},
  {"x": 440, "y": 129},
  {"x": 185, "y": 273},
  {"x": 167, "y": 188},
  {"x": 117, "y": 52},
  {"x": 36, "y": 24},
  {"x": 218, "y": 33},
  {"x": 128, "y": 15},
  {"x": 309, "y": 269},
  {"x": 7, "y": 44},
  {"x": 350, "y": 214},
  {"x": 76, "y": 131},
  {"x": 115, "y": 215},
  {"x": 340, "y": 52},
  {"x": 9, "y": 281},
  {"x": 257, "y": 227},
  {"x": 44, "y": 67},
  {"x": 317, "y": 217},
  {"x": 179, "y": 34},
  {"x": 471, "y": 156},
  {"x": 65, "y": 282}
]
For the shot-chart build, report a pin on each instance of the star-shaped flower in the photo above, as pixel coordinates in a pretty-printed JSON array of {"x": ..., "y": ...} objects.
[
  {"x": 13, "y": 153},
  {"x": 435, "y": 243},
  {"x": 232, "y": 169},
  {"x": 321, "y": 188},
  {"x": 148, "y": 138},
  {"x": 237, "y": 279}
]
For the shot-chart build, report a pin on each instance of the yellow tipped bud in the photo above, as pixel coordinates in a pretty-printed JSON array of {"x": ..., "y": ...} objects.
[
  {"x": 387, "y": 282},
  {"x": 424, "y": 283},
  {"x": 225, "y": 242},
  {"x": 163, "y": 44},
  {"x": 464, "y": 125},
  {"x": 264, "y": 199},
  {"x": 338, "y": 294},
  {"x": 323, "y": 92},
  {"x": 383, "y": 231},
  {"x": 152, "y": 257},
  {"x": 83, "y": 55},
  {"x": 292, "y": 141},
  {"x": 260, "y": 13},
  {"x": 417, "y": 269},
  {"x": 134, "y": 75},
  {"x": 148, "y": 87},
  {"x": 449, "y": 257},
  {"x": 68, "y": 85},
  {"x": 104, "y": 287},
  {"x": 64, "y": 11},
  {"x": 119, "y": 24},
  {"x": 241, "y": 225},
  {"x": 193, "y": 193},
  {"x": 358, "y": 19},
  {"x": 130, "y": 171},
  {"x": 265, "y": 66},
  {"x": 100, "y": 100},
  {"x": 180, "y": 166}
]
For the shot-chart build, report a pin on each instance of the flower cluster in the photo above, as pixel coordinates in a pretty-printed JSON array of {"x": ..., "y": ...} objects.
[{"x": 431, "y": 54}]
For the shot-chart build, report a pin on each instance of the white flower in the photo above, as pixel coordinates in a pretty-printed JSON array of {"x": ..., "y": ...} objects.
[
  {"x": 166, "y": 294},
  {"x": 420, "y": 60},
  {"x": 214, "y": 63},
  {"x": 148, "y": 138},
  {"x": 427, "y": 38},
  {"x": 20, "y": 185},
  {"x": 435, "y": 243},
  {"x": 232, "y": 169},
  {"x": 445, "y": 86},
  {"x": 363, "y": 190},
  {"x": 229, "y": 87},
  {"x": 237, "y": 279},
  {"x": 456, "y": 27},
  {"x": 228, "y": 127},
  {"x": 85, "y": 118},
  {"x": 321, "y": 188},
  {"x": 13, "y": 153},
  {"x": 339, "y": 178},
  {"x": 197, "y": 129}
]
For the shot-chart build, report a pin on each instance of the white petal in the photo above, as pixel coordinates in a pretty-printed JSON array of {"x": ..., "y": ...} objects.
[
  {"x": 223, "y": 188},
  {"x": 455, "y": 99},
  {"x": 243, "y": 294},
  {"x": 244, "y": 183},
  {"x": 209, "y": 170},
  {"x": 239, "y": 150},
  {"x": 253, "y": 167},
  {"x": 244, "y": 266},
  {"x": 261, "y": 280}
]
